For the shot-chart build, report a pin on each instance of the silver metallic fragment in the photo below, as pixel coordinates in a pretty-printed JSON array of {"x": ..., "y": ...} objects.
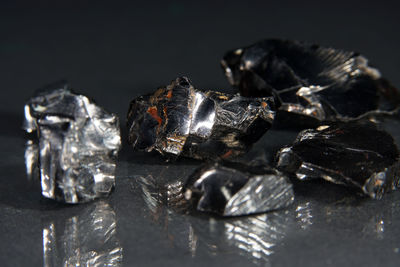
[{"x": 78, "y": 145}]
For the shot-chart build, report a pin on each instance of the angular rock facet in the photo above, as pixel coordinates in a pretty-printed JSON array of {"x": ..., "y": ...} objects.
[
  {"x": 78, "y": 144},
  {"x": 233, "y": 189},
  {"x": 180, "y": 120},
  {"x": 310, "y": 81},
  {"x": 352, "y": 154}
]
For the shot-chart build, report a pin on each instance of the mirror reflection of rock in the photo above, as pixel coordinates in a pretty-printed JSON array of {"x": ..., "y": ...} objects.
[
  {"x": 257, "y": 236},
  {"x": 304, "y": 216},
  {"x": 87, "y": 239},
  {"x": 342, "y": 214},
  {"x": 31, "y": 160}
]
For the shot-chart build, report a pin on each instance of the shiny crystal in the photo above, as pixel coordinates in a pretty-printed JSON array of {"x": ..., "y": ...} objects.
[
  {"x": 78, "y": 144},
  {"x": 352, "y": 154},
  {"x": 310, "y": 82},
  {"x": 234, "y": 189},
  {"x": 180, "y": 120}
]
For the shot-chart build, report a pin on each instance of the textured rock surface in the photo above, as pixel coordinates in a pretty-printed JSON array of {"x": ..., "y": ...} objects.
[
  {"x": 310, "y": 81},
  {"x": 234, "y": 189},
  {"x": 78, "y": 144},
  {"x": 352, "y": 154},
  {"x": 180, "y": 120}
]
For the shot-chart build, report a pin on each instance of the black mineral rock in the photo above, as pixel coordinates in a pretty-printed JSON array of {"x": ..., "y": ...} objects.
[
  {"x": 180, "y": 120},
  {"x": 353, "y": 154},
  {"x": 309, "y": 81},
  {"x": 234, "y": 189}
]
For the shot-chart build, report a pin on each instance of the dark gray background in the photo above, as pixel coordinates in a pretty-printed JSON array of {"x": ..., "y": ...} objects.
[{"x": 114, "y": 53}]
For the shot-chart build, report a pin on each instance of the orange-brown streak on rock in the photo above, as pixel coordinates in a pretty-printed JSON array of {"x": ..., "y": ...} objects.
[
  {"x": 153, "y": 112},
  {"x": 227, "y": 154},
  {"x": 169, "y": 94}
]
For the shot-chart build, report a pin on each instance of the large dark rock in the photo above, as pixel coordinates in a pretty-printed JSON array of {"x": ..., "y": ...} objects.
[
  {"x": 180, "y": 120},
  {"x": 310, "y": 82},
  {"x": 353, "y": 154}
]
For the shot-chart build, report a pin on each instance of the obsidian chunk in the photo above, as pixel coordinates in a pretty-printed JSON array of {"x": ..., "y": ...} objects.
[
  {"x": 352, "y": 154},
  {"x": 180, "y": 120},
  {"x": 310, "y": 81},
  {"x": 234, "y": 189}
]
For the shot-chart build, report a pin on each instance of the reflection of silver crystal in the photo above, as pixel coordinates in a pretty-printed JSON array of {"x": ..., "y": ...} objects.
[
  {"x": 304, "y": 215},
  {"x": 31, "y": 159},
  {"x": 88, "y": 239},
  {"x": 78, "y": 143}
]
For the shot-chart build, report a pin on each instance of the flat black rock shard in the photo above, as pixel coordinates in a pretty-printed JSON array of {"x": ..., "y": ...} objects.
[
  {"x": 352, "y": 154},
  {"x": 234, "y": 189},
  {"x": 310, "y": 81},
  {"x": 78, "y": 145},
  {"x": 180, "y": 120}
]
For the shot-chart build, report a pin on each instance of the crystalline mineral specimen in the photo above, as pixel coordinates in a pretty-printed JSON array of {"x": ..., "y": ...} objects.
[
  {"x": 234, "y": 189},
  {"x": 310, "y": 81},
  {"x": 180, "y": 120},
  {"x": 78, "y": 144},
  {"x": 352, "y": 154}
]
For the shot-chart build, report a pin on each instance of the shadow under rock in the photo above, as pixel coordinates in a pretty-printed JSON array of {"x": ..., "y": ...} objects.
[
  {"x": 152, "y": 158},
  {"x": 328, "y": 193},
  {"x": 265, "y": 150}
]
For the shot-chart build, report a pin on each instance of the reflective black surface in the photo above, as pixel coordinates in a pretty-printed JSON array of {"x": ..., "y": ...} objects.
[
  {"x": 117, "y": 53},
  {"x": 150, "y": 229}
]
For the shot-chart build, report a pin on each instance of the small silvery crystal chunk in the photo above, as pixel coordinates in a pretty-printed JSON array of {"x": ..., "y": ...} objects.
[
  {"x": 180, "y": 120},
  {"x": 352, "y": 154},
  {"x": 309, "y": 81},
  {"x": 234, "y": 189},
  {"x": 78, "y": 145}
]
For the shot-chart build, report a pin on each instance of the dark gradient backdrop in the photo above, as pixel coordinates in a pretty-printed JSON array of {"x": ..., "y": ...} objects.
[
  {"x": 111, "y": 50},
  {"x": 114, "y": 52}
]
